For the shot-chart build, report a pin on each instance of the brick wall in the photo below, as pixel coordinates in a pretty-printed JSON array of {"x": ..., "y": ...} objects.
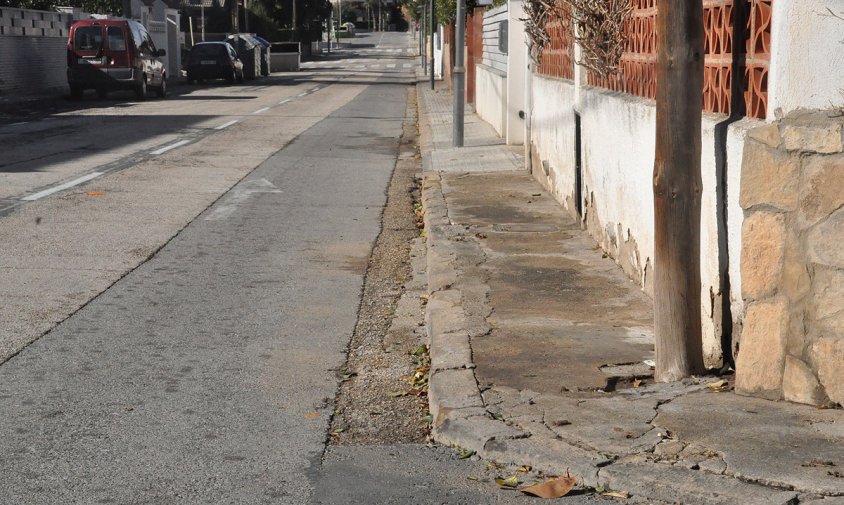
[{"x": 33, "y": 47}]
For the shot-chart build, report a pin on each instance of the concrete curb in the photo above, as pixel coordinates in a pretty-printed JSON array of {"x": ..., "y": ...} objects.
[{"x": 460, "y": 417}]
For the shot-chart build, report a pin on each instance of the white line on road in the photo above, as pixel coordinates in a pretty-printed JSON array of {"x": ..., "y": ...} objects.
[
  {"x": 60, "y": 187},
  {"x": 226, "y": 125},
  {"x": 286, "y": 100},
  {"x": 20, "y": 123},
  {"x": 171, "y": 146},
  {"x": 393, "y": 65},
  {"x": 303, "y": 93},
  {"x": 261, "y": 111}
]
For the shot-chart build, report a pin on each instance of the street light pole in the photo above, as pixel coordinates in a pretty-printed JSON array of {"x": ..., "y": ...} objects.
[
  {"x": 424, "y": 37},
  {"x": 433, "y": 30},
  {"x": 459, "y": 74}
]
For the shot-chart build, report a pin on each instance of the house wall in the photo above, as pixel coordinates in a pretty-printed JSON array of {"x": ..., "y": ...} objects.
[
  {"x": 491, "y": 96},
  {"x": 618, "y": 143},
  {"x": 807, "y": 56},
  {"x": 33, "y": 51},
  {"x": 792, "y": 193}
]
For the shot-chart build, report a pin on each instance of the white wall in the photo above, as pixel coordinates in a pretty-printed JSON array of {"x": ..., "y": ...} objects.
[
  {"x": 618, "y": 143},
  {"x": 517, "y": 57},
  {"x": 807, "y": 56},
  {"x": 491, "y": 96}
]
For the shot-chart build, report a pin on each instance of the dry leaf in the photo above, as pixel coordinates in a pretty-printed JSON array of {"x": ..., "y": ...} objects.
[
  {"x": 511, "y": 482},
  {"x": 312, "y": 416},
  {"x": 637, "y": 383},
  {"x": 551, "y": 489},
  {"x": 95, "y": 193},
  {"x": 616, "y": 494},
  {"x": 719, "y": 386}
]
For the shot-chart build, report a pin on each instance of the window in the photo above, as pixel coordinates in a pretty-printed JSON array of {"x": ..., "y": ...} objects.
[
  {"x": 116, "y": 38},
  {"x": 88, "y": 38},
  {"x": 502, "y": 36}
]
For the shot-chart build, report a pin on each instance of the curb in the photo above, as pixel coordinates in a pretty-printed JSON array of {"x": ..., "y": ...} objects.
[{"x": 460, "y": 417}]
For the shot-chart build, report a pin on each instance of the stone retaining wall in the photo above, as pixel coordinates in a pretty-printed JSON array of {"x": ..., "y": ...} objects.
[{"x": 792, "y": 261}]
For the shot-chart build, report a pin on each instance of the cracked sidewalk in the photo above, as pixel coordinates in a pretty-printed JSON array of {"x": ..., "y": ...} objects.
[{"x": 538, "y": 343}]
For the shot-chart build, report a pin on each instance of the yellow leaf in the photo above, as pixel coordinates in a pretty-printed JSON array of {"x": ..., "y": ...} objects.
[
  {"x": 312, "y": 416},
  {"x": 551, "y": 489},
  {"x": 95, "y": 193},
  {"x": 511, "y": 482}
]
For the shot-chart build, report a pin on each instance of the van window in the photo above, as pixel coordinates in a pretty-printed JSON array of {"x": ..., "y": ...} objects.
[
  {"x": 88, "y": 38},
  {"x": 136, "y": 34},
  {"x": 116, "y": 38}
]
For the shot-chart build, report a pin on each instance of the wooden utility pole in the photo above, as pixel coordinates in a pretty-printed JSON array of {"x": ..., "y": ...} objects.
[{"x": 677, "y": 188}]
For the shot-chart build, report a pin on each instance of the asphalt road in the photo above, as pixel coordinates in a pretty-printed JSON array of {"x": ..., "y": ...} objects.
[{"x": 172, "y": 326}]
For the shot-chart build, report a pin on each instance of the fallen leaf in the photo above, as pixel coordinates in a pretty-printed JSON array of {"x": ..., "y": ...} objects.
[
  {"x": 649, "y": 362},
  {"x": 523, "y": 469},
  {"x": 637, "y": 383},
  {"x": 616, "y": 494},
  {"x": 511, "y": 482},
  {"x": 420, "y": 350},
  {"x": 464, "y": 453},
  {"x": 396, "y": 394},
  {"x": 552, "y": 488},
  {"x": 95, "y": 193},
  {"x": 312, "y": 416},
  {"x": 718, "y": 386}
]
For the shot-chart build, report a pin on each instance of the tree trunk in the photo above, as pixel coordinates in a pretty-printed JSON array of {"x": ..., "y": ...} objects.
[{"x": 677, "y": 188}]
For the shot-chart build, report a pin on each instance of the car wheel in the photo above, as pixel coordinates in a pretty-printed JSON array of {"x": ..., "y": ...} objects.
[
  {"x": 240, "y": 77},
  {"x": 76, "y": 92},
  {"x": 141, "y": 89},
  {"x": 162, "y": 90},
  {"x": 191, "y": 80},
  {"x": 232, "y": 77},
  {"x": 102, "y": 93}
]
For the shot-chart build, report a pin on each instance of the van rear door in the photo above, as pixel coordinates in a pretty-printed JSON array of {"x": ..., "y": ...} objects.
[
  {"x": 87, "y": 44},
  {"x": 117, "y": 53}
]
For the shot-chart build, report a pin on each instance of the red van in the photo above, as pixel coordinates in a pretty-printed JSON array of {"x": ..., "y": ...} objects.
[{"x": 108, "y": 54}]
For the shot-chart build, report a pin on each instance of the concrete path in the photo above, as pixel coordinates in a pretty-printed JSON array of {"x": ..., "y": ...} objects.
[{"x": 540, "y": 349}]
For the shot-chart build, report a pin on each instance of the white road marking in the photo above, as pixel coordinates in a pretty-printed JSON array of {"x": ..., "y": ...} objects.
[
  {"x": 61, "y": 187},
  {"x": 286, "y": 100},
  {"x": 20, "y": 123},
  {"x": 391, "y": 65},
  {"x": 226, "y": 125},
  {"x": 261, "y": 111},
  {"x": 171, "y": 146},
  {"x": 239, "y": 195},
  {"x": 304, "y": 93}
]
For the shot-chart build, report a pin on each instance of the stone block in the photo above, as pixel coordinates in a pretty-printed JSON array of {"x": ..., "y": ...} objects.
[
  {"x": 825, "y": 239},
  {"x": 795, "y": 281},
  {"x": 452, "y": 389},
  {"x": 821, "y": 189},
  {"x": 800, "y": 385},
  {"x": 768, "y": 135},
  {"x": 819, "y": 138},
  {"x": 763, "y": 245},
  {"x": 828, "y": 358},
  {"x": 827, "y": 293},
  {"x": 761, "y": 358},
  {"x": 769, "y": 177}
]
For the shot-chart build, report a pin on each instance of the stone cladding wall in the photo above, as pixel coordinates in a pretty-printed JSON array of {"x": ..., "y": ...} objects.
[{"x": 792, "y": 260}]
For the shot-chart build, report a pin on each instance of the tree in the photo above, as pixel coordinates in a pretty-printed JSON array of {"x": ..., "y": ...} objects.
[{"x": 677, "y": 188}]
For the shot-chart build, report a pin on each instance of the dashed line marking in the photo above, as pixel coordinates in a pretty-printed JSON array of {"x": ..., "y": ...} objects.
[
  {"x": 304, "y": 93},
  {"x": 226, "y": 125},
  {"x": 286, "y": 100},
  {"x": 171, "y": 146},
  {"x": 261, "y": 111},
  {"x": 61, "y": 187},
  {"x": 19, "y": 123}
]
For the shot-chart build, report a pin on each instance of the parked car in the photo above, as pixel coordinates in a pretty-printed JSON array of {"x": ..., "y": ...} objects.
[
  {"x": 214, "y": 60},
  {"x": 110, "y": 54}
]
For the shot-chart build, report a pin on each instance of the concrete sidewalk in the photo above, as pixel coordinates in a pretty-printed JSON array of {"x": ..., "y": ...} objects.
[{"x": 539, "y": 346}]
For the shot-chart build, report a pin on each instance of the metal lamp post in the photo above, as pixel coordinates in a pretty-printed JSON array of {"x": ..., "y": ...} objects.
[{"x": 459, "y": 74}]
